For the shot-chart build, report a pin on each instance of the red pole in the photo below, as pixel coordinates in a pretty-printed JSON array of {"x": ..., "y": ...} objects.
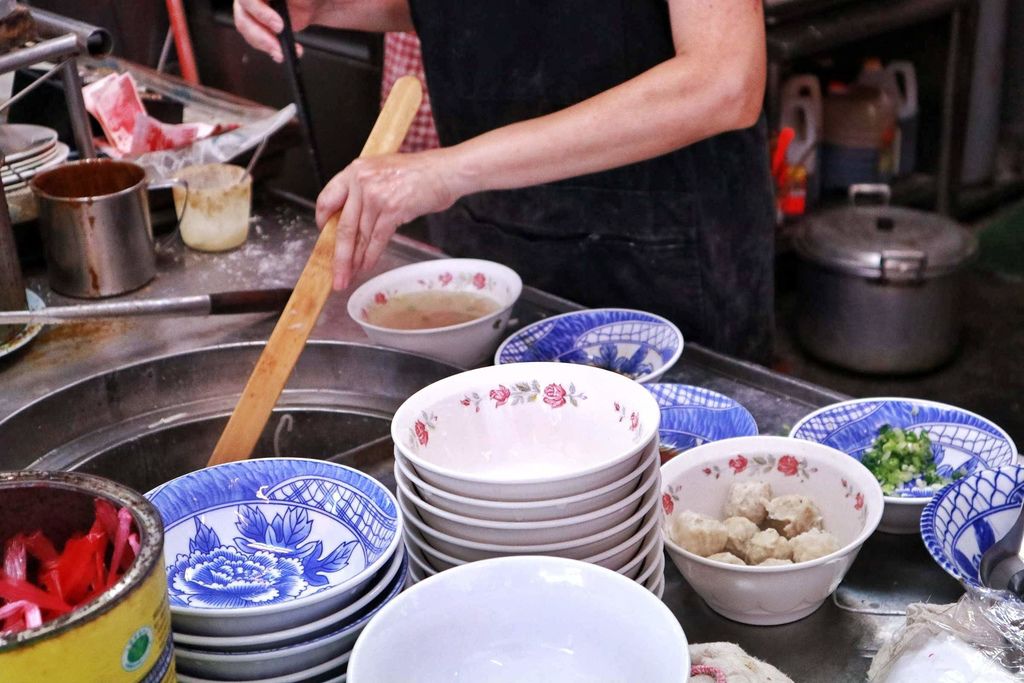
[{"x": 182, "y": 40}]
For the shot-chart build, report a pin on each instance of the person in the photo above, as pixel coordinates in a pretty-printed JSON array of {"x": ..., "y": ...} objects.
[
  {"x": 403, "y": 57},
  {"x": 614, "y": 153}
]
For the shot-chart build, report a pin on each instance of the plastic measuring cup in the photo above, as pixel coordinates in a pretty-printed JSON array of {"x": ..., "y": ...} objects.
[{"x": 213, "y": 206}]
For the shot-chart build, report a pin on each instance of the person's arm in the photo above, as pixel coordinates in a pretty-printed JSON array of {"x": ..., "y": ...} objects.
[
  {"x": 259, "y": 24},
  {"x": 713, "y": 84}
]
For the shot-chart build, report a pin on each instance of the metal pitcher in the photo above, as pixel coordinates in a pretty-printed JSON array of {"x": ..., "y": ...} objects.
[{"x": 94, "y": 216}]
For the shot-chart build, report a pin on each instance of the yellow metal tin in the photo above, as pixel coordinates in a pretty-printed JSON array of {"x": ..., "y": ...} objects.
[{"x": 123, "y": 635}]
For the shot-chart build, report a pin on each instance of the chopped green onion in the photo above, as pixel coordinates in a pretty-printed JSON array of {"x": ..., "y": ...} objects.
[{"x": 898, "y": 457}]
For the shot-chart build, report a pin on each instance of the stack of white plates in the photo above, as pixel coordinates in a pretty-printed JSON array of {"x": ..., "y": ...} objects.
[
  {"x": 27, "y": 150},
  {"x": 531, "y": 459},
  {"x": 275, "y": 566}
]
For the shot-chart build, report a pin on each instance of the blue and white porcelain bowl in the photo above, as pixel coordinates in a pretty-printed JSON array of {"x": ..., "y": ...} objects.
[
  {"x": 257, "y": 546},
  {"x": 961, "y": 442},
  {"x": 962, "y": 520},
  {"x": 691, "y": 416},
  {"x": 639, "y": 345},
  {"x": 291, "y": 659}
]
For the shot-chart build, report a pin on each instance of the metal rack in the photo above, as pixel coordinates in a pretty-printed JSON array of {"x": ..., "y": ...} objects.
[
  {"x": 839, "y": 26},
  {"x": 62, "y": 41}
]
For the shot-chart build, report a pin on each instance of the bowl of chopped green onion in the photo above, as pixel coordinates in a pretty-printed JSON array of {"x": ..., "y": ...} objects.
[{"x": 912, "y": 446}]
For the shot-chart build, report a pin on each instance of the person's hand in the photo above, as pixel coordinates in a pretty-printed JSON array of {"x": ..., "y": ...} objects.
[
  {"x": 259, "y": 24},
  {"x": 376, "y": 195}
]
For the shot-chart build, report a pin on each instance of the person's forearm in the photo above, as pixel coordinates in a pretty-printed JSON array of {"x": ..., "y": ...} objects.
[
  {"x": 668, "y": 107},
  {"x": 379, "y": 16},
  {"x": 713, "y": 84}
]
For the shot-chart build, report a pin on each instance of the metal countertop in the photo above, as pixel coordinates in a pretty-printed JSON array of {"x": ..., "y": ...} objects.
[{"x": 833, "y": 644}]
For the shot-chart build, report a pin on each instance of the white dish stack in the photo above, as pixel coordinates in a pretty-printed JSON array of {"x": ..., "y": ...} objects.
[
  {"x": 531, "y": 459},
  {"x": 27, "y": 150}
]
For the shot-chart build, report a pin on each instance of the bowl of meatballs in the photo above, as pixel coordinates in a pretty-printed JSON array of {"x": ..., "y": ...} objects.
[{"x": 764, "y": 528}]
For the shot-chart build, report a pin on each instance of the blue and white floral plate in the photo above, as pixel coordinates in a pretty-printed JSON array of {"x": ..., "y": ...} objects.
[
  {"x": 349, "y": 614},
  {"x": 964, "y": 519},
  {"x": 691, "y": 416},
  {"x": 639, "y": 345},
  {"x": 298, "y": 657},
  {"x": 961, "y": 442},
  {"x": 262, "y": 545}
]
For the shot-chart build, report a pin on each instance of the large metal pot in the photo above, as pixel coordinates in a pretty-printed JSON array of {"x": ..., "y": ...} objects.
[{"x": 879, "y": 286}]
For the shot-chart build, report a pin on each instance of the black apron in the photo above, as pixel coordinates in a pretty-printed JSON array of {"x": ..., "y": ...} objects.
[{"x": 688, "y": 235}]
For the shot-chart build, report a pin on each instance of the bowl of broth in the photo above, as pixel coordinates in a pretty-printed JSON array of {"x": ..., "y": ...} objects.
[{"x": 455, "y": 310}]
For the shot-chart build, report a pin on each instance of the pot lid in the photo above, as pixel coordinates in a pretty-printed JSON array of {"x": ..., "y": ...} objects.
[{"x": 885, "y": 241}]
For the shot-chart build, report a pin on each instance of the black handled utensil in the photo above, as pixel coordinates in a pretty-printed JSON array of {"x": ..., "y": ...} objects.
[
  {"x": 294, "y": 74},
  {"x": 220, "y": 303}
]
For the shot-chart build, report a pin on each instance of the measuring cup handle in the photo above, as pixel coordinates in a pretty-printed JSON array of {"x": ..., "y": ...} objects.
[{"x": 167, "y": 184}]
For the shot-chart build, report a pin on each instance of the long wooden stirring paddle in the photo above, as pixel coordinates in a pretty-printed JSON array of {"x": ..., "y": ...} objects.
[{"x": 300, "y": 314}]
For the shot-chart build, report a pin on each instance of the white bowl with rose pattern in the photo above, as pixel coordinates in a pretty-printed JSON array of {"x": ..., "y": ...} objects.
[
  {"x": 529, "y": 431},
  {"x": 847, "y": 494},
  {"x": 529, "y": 510},
  {"x": 546, "y": 531},
  {"x": 465, "y": 344},
  {"x": 258, "y": 546}
]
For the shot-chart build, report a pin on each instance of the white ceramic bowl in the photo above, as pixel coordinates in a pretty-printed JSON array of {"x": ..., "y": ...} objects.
[
  {"x": 962, "y": 442},
  {"x": 614, "y": 558},
  {"x": 527, "y": 431},
  {"x": 529, "y": 510},
  {"x": 291, "y": 659},
  {"x": 847, "y": 494},
  {"x": 529, "y": 533},
  {"x": 465, "y": 344},
  {"x": 299, "y": 634},
  {"x": 523, "y": 619},
  {"x": 577, "y": 549}
]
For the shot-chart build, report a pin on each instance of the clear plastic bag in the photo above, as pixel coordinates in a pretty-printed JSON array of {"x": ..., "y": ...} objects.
[{"x": 979, "y": 639}]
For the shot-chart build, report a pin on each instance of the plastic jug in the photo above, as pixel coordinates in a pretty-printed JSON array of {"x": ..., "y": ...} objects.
[
  {"x": 905, "y": 76},
  {"x": 874, "y": 74},
  {"x": 860, "y": 125},
  {"x": 802, "y": 110}
]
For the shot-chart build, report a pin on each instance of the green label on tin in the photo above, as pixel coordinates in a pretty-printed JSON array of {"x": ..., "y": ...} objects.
[{"x": 137, "y": 649}]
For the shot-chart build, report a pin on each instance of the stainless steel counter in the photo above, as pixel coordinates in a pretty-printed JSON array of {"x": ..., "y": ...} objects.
[{"x": 833, "y": 644}]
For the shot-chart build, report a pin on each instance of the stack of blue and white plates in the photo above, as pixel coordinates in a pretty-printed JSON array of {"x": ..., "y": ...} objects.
[{"x": 274, "y": 566}]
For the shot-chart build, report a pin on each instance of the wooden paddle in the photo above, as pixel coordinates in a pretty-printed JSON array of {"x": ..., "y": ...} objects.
[{"x": 303, "y": 308}]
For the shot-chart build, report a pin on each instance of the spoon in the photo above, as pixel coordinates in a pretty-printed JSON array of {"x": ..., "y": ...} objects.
[{"x": 1002, "y": 565}]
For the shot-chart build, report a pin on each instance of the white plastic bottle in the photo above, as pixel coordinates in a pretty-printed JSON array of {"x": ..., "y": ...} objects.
[
  {"x": 907, "y": 112},
  {"x": 802, "y": 109}
]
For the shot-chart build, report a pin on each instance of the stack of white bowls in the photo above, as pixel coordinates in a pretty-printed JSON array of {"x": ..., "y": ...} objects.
[
  {"x": 26, "y": 150},
  {"x": 275, "y": 566},
  {"x": 531, "y": 459}
]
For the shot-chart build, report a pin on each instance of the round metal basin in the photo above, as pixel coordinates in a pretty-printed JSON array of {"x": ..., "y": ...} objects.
[{"x": 146, "y": 423}]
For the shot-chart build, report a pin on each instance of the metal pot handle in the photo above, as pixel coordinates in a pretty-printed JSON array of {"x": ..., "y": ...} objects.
[
  {"x": 903, "y": 265},
  {"x": 165, "y": 185},
  {"x": 880, "y": 190}
]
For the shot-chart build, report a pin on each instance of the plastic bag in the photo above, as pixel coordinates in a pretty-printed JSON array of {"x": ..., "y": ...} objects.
[
  {"x": 205, "y": 111},
  {"x": 979, "y": 639}
]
